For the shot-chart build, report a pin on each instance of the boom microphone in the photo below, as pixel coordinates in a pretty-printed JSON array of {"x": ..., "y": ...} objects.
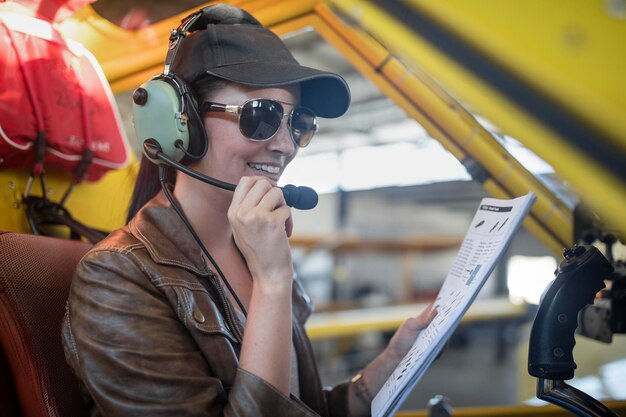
[{"x": 301, "y": 198}]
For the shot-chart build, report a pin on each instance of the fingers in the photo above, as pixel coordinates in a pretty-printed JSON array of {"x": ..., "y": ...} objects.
[
  {"x": 406, "y": 334},
  {"x": 420, "y": 322},
  {"x": 255, "y": 197},
  {"x": 250, "y": 191},
  {"x": 289, "y": 225},
  {"x": 261, "y": 223},
  {"x": 258, "y": 191},
  {"x": 426, "y": 316}
]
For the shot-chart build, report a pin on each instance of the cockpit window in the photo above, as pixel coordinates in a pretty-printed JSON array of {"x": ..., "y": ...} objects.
[{"x": 534, "y": 164}]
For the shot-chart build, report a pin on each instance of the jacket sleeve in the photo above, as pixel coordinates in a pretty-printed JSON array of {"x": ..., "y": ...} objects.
[
  {"x": 336, "y": 399},
  {"x": 134, "y": 356}
]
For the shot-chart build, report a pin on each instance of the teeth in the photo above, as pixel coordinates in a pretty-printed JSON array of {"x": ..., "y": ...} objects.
[{"x": 267, "y": 168}]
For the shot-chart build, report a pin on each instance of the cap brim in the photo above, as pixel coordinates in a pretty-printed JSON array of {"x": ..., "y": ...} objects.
[{"x": 326, "y": 93}]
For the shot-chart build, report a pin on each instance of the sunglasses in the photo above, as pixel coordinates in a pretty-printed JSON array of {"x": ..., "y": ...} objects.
[{"x": 260, "y": 119}]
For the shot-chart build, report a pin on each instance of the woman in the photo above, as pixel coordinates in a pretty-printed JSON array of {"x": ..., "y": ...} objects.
[{"x": 162, "y": 322}]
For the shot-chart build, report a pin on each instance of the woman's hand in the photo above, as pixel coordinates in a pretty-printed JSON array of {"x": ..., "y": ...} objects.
[
  {"x": 261, "y": 223},
  {"x": 405, "y": 336},
  {"x": 379, "y": 370}
]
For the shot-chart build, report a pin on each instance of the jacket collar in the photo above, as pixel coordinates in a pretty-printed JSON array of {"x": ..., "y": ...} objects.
[{"x": 166, "y": 237}]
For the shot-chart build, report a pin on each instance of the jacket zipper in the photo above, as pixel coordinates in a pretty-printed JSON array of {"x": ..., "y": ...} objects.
[{"x": 227, "y": 312}]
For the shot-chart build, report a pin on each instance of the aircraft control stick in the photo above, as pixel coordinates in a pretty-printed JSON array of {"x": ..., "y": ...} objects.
[{"x": 578, "y": 278}]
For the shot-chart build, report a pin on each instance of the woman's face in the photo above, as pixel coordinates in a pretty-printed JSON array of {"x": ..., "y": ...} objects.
[{"x": 230, "y": 154}]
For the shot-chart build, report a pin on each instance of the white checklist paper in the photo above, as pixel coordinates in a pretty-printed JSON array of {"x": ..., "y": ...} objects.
[{"x": 489, "y": 234}]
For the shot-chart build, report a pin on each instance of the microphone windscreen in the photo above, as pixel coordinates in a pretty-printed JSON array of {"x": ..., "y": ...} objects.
[{"x": 302, "y": 198}]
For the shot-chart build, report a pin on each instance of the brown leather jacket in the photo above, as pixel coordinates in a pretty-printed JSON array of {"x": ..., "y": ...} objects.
[{"x": 149, "y": 331}]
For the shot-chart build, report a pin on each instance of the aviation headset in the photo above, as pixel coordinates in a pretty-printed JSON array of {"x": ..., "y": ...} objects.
[{"x": 164, "y": 108}]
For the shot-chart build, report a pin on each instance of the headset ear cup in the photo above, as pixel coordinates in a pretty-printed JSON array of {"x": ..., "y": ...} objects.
[
  {"x": 198, "y": 141},
  {"x": 158, "y": 114}
]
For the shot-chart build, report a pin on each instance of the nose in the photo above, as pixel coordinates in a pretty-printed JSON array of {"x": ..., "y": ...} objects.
[{"x": 282, "y": 141}]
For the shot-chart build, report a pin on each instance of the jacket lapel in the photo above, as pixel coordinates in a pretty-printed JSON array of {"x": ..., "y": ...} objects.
[{"x": 166, "y": 237}]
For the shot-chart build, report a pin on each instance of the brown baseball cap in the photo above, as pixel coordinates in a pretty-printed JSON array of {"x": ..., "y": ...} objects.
[{"x": 250, "y": 54}]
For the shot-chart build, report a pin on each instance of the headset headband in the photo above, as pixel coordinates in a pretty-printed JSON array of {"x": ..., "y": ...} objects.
[{"x": 177, "y": 35}]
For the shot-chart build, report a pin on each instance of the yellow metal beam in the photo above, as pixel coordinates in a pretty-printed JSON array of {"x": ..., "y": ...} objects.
[
  {"x": 338, "y": 243},
  {"x": 601, "y": 189},
  {"x": 549, "y": 410},
  {"x": 379, "y": 319},
  {"x": 114, "y": 46}
]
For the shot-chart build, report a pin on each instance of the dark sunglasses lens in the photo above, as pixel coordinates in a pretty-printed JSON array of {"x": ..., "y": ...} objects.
[
  {"x": 260, "y": 119},
  {"x": 302, "y": 125}
]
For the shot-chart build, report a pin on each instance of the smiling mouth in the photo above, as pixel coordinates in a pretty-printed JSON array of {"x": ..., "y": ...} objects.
[{"x": 265, "y": 168}]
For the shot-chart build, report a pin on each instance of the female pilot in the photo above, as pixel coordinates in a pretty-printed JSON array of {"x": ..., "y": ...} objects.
[{"x": 192, "y": 308}]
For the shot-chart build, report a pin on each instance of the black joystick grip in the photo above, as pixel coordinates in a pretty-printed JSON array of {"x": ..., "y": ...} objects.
[{"x": 579, "y": 277}]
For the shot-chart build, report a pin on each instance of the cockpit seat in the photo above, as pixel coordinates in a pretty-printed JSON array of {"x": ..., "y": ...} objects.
[{"x": 35, "y": 275}]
